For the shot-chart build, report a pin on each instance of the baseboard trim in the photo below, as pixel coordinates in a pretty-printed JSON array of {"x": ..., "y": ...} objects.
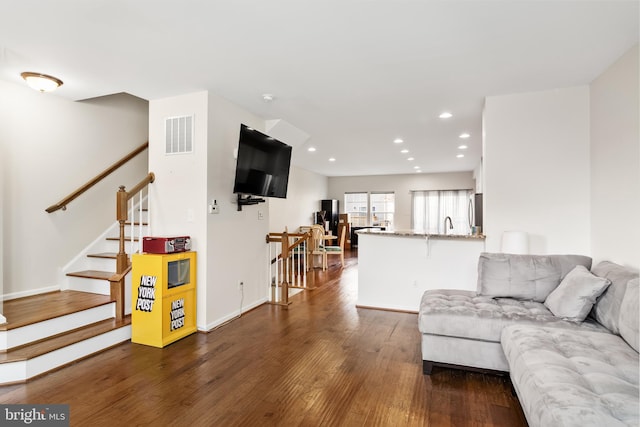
[
  {"x": 232, "y": 316},
  {"x": 29, "y": 293}
]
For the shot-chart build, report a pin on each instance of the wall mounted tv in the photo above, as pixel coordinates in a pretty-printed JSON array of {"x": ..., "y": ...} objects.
[{"x": 262, "y": 166}]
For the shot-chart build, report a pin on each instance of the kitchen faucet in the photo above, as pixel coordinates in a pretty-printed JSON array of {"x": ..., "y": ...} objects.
[{"x": 450, "y": 224}]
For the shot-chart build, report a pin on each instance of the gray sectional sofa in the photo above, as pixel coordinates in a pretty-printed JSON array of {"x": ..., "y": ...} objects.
[{"x": 567, "y": 335}]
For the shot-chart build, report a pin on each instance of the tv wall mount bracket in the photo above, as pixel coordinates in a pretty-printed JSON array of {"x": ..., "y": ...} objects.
[{"x": 248, "y": 200}]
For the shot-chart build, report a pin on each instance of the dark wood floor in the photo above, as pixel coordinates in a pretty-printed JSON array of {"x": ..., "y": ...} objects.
[{"x": 321, "y": 363}]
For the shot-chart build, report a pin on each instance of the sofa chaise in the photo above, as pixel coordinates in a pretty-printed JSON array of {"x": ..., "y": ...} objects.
[{"x": 568, "y": 336}]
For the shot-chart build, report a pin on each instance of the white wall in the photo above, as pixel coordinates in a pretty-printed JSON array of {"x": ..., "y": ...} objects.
[
  {"x": 237, "y": 250},
  {"x": 536, "y": 169},
  {"x": 615, "y": 163},
  {"x": 178, "y": 197},
  {"x": 49, "y": 147},
  {"x": 402, "y": 185},
  {"x": 306, "y": 190}
]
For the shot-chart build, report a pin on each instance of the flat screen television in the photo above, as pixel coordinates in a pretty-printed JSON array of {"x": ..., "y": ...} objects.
[{"x": 262, "y": 166}]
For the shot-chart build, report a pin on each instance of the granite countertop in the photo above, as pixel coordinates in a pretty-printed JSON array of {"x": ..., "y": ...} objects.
[{"x": 413, "y": 233}]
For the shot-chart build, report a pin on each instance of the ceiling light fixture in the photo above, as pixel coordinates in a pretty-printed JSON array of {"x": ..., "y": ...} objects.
[
  {"x": 462, "y": 147},
  {"x": 464, "y": 135},
  {"x": 311, "y": 149},
  {"x": 398, "y": 141},
  {"x": 332, "y": 159},
  {"x": 460, "y": 156},
  {"x": 416, "y": 167},
  {"x": 405, "y": 151},
  {"x": 267, "y": 97},
  {"x": 41, "y": 82},
  {"x": 445, "y": 115},
  {"x": 410, "y": 159}
]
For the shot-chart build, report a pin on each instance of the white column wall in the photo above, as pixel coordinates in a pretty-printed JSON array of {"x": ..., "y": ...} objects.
[
  {"x": 536, "y": 169},
  {"x": 178, "y": 197},
  {"x": 615, "y": 163},
  {"x": 237, "y": 250}
]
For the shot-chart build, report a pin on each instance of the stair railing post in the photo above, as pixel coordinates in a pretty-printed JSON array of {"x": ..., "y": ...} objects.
[
  {"x": 122, "y": 261},
  {"x": 284, "y": 255}
]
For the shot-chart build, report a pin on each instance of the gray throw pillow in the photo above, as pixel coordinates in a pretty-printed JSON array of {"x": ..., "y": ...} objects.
[
  {"x": 629, "y": 316},
  {"x": 576, "y": 294}
]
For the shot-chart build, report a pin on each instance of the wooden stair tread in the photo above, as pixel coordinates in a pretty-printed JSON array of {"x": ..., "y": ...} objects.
[
  {"x": 107, "y": 255},
  {"x": 136, "y": 223},
  {"x": 53, "y": 343},
  {"x": 126, "y": 238},
  {"x": 93, "y": 274},
  {"x": 37, "y": 308}
]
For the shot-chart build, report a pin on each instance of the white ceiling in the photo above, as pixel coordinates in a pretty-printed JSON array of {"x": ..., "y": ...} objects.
[{"x": 354, "y": 75}]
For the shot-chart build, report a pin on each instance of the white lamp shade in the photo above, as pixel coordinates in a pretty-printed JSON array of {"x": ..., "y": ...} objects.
[{"x": 515, "y": 242}]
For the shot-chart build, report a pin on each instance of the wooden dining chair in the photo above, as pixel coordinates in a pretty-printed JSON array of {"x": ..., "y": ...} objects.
[
  {"x": 317, "y": 246},
  {"x": 337, "y": 250}
]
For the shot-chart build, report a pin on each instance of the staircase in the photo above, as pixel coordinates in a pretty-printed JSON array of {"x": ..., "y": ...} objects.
[
  {"x": 51, "y": 330},
  {"x": 47, "y": 331},
  {"x": 91, "y": 270}
]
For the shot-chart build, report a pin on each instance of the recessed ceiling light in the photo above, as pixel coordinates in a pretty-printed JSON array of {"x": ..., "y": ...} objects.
[
  {"x": 398, "y": 141},
  {"x": 418, "y": 171},
  {"x": 332, "y": 159},
  {"x": 460, "y": 156},
  {"x": 405, "y": 151},
  {"x": 445, "y": 115},
  {"x": 464, "y": 135},
  {"x": 410, "y": 159},
  {"x": 311, "y": 149},
  {"x": 267, "y": 97},
  {"x": 462, "y": 147},
  {"x": 416, "y": 167}
]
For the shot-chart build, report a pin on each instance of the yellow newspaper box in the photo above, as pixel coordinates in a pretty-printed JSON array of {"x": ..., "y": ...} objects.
[{"x": 163, "y": 297}]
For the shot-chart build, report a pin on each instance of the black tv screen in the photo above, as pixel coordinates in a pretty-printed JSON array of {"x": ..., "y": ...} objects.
[{"x": 262, "y": 166}]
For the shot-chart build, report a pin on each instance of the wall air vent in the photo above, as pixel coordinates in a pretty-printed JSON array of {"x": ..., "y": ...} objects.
[{"x": 178, "y": 134}]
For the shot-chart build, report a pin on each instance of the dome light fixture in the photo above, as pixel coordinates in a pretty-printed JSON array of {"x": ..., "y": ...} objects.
[{"x": 41, "y": 82}]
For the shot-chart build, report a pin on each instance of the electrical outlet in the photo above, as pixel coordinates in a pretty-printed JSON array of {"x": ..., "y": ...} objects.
[
  {"x": 213, "y": 207},
  {"x": 260, "y": 214}
]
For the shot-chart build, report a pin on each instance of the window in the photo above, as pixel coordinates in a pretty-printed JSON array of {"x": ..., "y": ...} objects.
[
  {"x": 357, "y": 206},
  {"x": 429, "y": 209},
  {"x": 382, "y": 208},
  {"x": 365, "y": 209}
]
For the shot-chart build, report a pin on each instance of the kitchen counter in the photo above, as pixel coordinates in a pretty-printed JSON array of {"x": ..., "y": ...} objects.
[
  {"x": 421, "y": 234},
  {"x": 396, "y": 267}
]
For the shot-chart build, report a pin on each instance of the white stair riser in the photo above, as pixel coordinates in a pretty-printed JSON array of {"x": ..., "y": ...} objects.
[
  {"x": 94, "y": 286},
  {"x": 26, "y": 369},
  {"x": 30, "y": 333},
  {"x": 103, "y": 264}
]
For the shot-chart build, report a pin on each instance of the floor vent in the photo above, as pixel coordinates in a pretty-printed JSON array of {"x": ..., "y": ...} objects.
[{"x": 178, "y": 135}]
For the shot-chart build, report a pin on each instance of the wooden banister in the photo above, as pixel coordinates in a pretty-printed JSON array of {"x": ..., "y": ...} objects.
[
  {"x": 123, "y": 266},
  {"x": 62, "y": 204}
]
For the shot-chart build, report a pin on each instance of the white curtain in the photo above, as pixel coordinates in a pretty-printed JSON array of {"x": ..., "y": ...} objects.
[{"x": 429, "y": 209}]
